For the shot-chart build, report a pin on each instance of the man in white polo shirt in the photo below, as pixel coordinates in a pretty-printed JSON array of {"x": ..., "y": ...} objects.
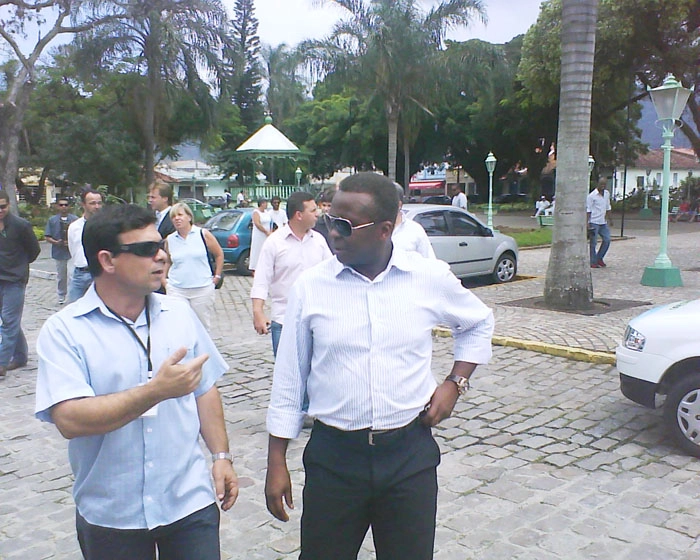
[
  {"x": 287, "y": 252},
  {"x": 91, "y": 201},
  {"x": 597, "y": 208}
]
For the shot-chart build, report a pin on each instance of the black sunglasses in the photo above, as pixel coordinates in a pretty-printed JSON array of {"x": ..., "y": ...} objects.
[
  {"x": 141, "y": 249},
  {"x": 342, "y": 226},
  {"x": 3, "y": 206}
]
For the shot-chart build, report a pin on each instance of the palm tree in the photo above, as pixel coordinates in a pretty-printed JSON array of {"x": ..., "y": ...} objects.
[
  {"x": 285, "y": 88},
  {"x": 386, "y": 48},
  {"x": 568, "y": 284},
  {"x": 167, "y": 43}
]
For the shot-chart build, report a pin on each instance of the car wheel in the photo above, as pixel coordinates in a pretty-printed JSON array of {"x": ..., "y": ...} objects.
[
  {"x": 505, "y": 268},
  {"x": 242, "y": 263},
  {"x": 682, "y": 413}
]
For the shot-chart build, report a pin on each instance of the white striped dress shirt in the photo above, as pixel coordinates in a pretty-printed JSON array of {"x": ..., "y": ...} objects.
[{"x": 362, "y": 348}]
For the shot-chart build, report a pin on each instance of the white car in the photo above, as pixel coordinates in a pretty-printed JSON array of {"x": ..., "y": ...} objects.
[
  {"x": 660, "y": 355},
  {"x": 466, "y": 244}
]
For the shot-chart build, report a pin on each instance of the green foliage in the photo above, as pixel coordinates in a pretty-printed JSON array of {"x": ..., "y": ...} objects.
[{"x": 242, "y": 54}]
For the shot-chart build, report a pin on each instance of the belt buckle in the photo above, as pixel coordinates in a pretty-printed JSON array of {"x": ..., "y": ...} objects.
[{"x": 372, "y": 433}]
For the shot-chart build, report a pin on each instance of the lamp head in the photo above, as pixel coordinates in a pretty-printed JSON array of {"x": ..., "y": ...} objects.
[
  {"x": 669, "y": 99},
  {"x": 490, "y": 162}
]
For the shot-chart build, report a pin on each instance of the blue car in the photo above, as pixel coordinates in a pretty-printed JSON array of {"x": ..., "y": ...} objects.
[{"x": 233, "y": 230}]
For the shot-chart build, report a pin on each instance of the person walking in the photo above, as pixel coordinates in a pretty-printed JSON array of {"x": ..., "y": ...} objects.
[
  {"x": 262, "y": 228},
  {"x": 129, "y": 378},
  {"x": 409, "y": 235},
  {"x": 285, "y": 255},
  {"x": 459, "y": 199},
  {"x": 56, "y": 234},
  {"x": 160, "y": 199},
  {"x": 18, "y": 247},
  {"x": 279, "y": 217},
  {"x": 597, "y": 208},
  {"x": 189, "y": 275},
  {"x": 357, "y": 341},
  {"x": 91, "y": 201}
]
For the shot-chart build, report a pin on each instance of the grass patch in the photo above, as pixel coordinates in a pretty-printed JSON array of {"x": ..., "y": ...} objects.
[{"x": 529, "y": 237}]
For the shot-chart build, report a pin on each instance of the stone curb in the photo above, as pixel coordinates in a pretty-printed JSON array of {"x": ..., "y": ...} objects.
[{"x": 568, "y": 352}]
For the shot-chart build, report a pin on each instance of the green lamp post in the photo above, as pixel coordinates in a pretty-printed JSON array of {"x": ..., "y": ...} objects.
[
  {"x": 297, "y": 174},
  {"x": 669, "y": 101},
  {"x": 490, "y": 162}
]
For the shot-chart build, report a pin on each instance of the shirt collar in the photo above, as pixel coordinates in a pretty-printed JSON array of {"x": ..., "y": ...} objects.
[
  {"x": 92, "y": 301},
  {"x": 399, "y": 260}
]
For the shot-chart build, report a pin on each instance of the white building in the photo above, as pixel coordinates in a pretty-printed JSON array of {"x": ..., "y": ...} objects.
[{"x": 648, "y": 168}]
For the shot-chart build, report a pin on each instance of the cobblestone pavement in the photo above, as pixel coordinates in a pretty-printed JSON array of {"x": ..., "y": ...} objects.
[{"x": 543, "y": 460}]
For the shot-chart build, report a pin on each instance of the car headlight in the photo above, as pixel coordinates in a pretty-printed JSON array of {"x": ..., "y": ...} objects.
[{"x": 634, "y": 340}]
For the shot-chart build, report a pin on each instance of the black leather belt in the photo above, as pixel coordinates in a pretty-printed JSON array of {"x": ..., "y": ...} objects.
[
  {"x": 83, "y": 268},
  {"x": 367, "y": 435}
]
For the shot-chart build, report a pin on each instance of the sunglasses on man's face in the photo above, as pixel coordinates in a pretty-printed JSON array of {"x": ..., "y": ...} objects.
[
  {"x": 63, "y": 204},
  {"x": 141, "y": 249},
  {"x": 342, "y": 226},
  {"x": 3, "y": 206}
]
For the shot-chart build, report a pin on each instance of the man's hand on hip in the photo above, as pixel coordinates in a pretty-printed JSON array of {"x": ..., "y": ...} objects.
[{"x": 441, "y": 404}]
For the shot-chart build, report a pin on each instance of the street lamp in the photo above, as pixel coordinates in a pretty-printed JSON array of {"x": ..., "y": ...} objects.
[
  {"x": 297, "y": 174},
  {"x": 669, "y": 101},
  {"x": 646, "y": 212},
  {"x": 490, "y": 162}
]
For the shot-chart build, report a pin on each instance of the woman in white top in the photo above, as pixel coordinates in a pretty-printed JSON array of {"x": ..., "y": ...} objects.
[
  {"x": 262, "y": 227},
  {"x": 188, "y": 273}
]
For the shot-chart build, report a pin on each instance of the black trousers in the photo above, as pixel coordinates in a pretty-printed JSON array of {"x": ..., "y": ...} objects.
[{"x": 353, "y": 482}]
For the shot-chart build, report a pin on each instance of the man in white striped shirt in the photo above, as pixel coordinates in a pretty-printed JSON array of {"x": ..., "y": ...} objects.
[{"x": 358, "y": 341}]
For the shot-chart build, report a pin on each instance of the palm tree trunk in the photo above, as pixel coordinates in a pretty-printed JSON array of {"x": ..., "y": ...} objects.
[
  {"x": 406, "y": 163},
  {"x": 568, "y": 284},
  {"x": 392, "y": 118}
]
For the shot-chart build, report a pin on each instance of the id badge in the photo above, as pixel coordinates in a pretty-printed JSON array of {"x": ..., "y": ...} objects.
[{"x": 153, "y": 411}]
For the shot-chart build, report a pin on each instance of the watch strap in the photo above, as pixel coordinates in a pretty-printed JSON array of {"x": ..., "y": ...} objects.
[
  {"x": 221, "y": 455},
  {"x": 461, "y": 382}
]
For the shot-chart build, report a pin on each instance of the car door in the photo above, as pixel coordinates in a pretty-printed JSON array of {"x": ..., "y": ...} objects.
[
  {"x": 471, "y": 246},
  {"x": 435, "y": 225}
]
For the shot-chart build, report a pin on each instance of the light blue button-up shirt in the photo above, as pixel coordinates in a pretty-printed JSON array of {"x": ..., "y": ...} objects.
[
  {"x": 362, "y": 348},
  {"x": 152, "y": 471}
]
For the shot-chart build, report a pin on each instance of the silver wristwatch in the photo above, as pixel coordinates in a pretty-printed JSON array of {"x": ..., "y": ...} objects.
[
  {"x": 221, "y": 455},
  {"x": 461, "y": 382}
]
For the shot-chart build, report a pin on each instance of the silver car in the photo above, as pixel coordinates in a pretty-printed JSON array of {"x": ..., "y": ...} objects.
[{"x": 466, "y": 244}]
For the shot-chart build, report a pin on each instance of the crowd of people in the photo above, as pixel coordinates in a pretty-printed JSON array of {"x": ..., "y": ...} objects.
[{"x": 352, "y": 362}]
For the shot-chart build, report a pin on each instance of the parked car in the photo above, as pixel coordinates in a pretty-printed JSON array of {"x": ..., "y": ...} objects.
[
  {"x": 510, "y": 197},
  {"x": 660, "y": 355},
  {"x": 233, "y": 230},
  {"x": 442, "y": 199},
  {"x": 218, "y": 202},
  {"x": 466, "y": 244},
  {"x": 201, "y": 210}
]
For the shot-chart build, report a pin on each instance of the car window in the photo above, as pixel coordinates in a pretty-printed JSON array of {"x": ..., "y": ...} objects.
[
  {"x": 433, "y": 223},
  {"x": 461, "y": 224},
  {"x": 224, "y": 220}
]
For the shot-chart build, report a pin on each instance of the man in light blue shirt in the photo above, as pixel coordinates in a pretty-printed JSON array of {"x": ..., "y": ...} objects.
[
  {"x": 358, "y": 341},
  {"x": 129, "y": 377}
]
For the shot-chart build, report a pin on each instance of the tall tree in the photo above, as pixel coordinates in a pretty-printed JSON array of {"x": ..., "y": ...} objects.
[
  {"x": 56, "y": 17},
  {"x": 387, "y": 47},
  {"x": 568, "y": 284},
  {"x": 244, "y": 54},
  {"x": 168, "y": 44},
  {"x": 285, "y": 87}
]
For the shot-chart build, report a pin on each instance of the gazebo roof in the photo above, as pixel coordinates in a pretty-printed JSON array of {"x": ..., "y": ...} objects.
[{"x": 268, "y": 140}]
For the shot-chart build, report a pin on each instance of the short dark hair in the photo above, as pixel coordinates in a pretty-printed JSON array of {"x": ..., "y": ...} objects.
[
  {"x": 4, "y": 195},
  {"x": 85, "y": 192},
  {"x": 399, "y": 191},
  {"x": 102, "y": 231},
  {"x": 60, "y": 198},
  {"x": 295, "y": 202},
  {"x": 275, "y": 198},
  {"x": 163, "y": 188},
  {"x": 326, "y": 196},
  {"x": 261, "y": 200},
  {"x": 380, "y": 188}
]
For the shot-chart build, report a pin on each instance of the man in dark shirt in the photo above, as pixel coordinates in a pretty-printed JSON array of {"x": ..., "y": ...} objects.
[
  {"x": 18, "y": 248},
  {"x": 56, "y": 234}
]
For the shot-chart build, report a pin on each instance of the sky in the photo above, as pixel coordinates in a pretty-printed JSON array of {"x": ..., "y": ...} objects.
[{"x": 291, "y": 21}]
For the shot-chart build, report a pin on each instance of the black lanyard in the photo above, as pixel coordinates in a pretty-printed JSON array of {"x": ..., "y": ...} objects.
[{"x": 147, "y": 347}]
